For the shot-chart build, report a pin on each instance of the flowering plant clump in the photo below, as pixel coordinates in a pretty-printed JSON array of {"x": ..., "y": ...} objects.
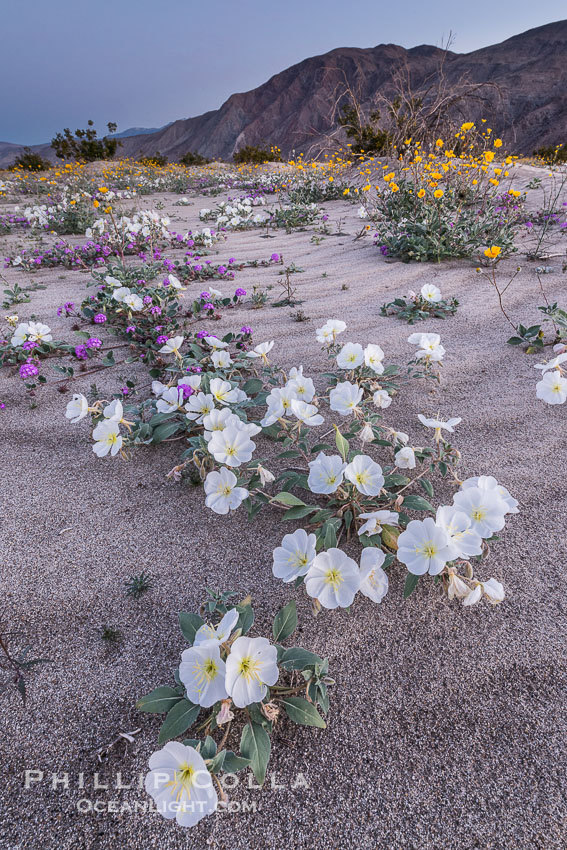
[
  {"x": 237, "y": 214},
  {"x": 238, "y": 688},
  {"x": 416, "y": 307}
]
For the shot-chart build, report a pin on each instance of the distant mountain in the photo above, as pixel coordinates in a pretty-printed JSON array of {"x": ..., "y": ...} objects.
[
  {"x": 527, "y": 103},
  {"x": 138, "y": 131}
]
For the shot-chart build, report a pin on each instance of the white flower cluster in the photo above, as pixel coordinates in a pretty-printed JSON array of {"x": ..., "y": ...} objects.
[
  {"x": 553, "y": 385},
  {"x": 236, "y": 214},
  {"x": 147, "y": 223},
  {"x": 429, "y": 347},
  {"x": 31, "y": 332}
]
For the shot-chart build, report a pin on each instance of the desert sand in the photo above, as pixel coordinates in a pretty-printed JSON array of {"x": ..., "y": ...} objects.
[{"x": 447, "y": 724}]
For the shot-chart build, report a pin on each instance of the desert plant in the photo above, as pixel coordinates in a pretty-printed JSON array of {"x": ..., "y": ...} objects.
[
  {"x": 256, "y": 154},
  {"x": 28, "y": 160},
  {"x": 85, "y": 144},
  {"x": 191, "y": 158},
  {"x": 157, "y": 158}
]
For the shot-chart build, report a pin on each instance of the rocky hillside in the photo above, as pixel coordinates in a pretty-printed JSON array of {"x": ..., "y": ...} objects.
[{"x": 527, "y": 102}]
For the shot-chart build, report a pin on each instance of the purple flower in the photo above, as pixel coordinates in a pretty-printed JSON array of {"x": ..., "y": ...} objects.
[
  {"x": 161, "y": 340},
  {"x": 28, "y": 370},
  {"x": 81, "y": 352},
  {"x": 147, "y": 299},
  {"x": 196, "y": 369},
  {"x": 100, "y": 319},
  {"x": 125, "y": 391},
  {"x": 384, "y": 250},
  {"x": 93, "y": 342},
  {"x": 29, "y": 345},
  {"x": 198, "y": 268},
  {"x": 240, "y": 293},
  {"x": 205, "y": 296},
  {"x": 246, "y": 330},
  {"x": 201, "y": 334},
  {"x": 130, "y": 329},
  {"x": 208, "y": 306},
  {"x": 275, "y": 258},
  {"x": 231, "y": 260},
  {"x": 155, "y": 310},
  {"x": 187, "y": 390},
  {"x": 221, "y": 270}
]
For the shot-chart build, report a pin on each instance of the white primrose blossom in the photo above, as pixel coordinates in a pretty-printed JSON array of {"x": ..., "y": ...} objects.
[
  {"x": 464, "y": 541},
  {"x": 375, "y": 520},
  {"x": 202, "y": 671},
  {"x": 107, "y": 438},
  {"x": 231, "y": 446},
  {"x": 405, "y": 458},
  {"x": 439, "y": 425},
  {"x": 221, "y": 359},
  {"x": 485, "y": 508},
  {"x": 250, "y": 667},
  {"x": 261, "y": 350},
  {"x": 278, "y": 403},
  {"x": 423, "y": 547},
  {"x": 373, "y": 579},
  {"x": 171, "y": 399},
  {"x": 345, "y": 397},
  {"x": 492, "y": 589},
  {"x": 430, "y": 293},
  {"x": 222, "y": 493},
  {"x": 382, "y": 399},
  {"x": 303, "y": 388},
  {"x": 77, "y": 408},
  {"x": 488, "y": 482},
  {"x": 351, "y": 356},
  {"x": 330, "y": 330},
  {"x": 32, "y": 331},
  {"x": 373, "y": 357},
  {"x": 217, "y": 634},
  {"x": 429, "y": 346},
  {"x": 180, "y": 784},
  {"x": 198, "y": 406},
  {"x": 365, "y": 474},
  {"x": 172, "y": 345},
  {"x": 224, "y": 393},
  {"x": 306, "y": 413},
  {"x": 552, "y": 388},
  {"x": 294, "y": 556},
  {"x": 216, "y": 344},
  {"x": 333, "y": 578},
  {"x": 326, "y": 473}
]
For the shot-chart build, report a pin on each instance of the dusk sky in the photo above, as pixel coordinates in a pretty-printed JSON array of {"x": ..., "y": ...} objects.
[{"x": 142, "y": 63}]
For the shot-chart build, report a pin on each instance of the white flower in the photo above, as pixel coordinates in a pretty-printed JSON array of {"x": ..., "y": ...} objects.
[
  {"x": 112, "y": 281},
  {"x": 366, "y": 434},
  {"x": 121, "y": 293},
  {"x": 457, "y": 587},
  {"x": 217, "y": 634},
  {"x": 552, "y": 388},
  {"x": 399, "y": 437},
  {"x": 345, "y": 397},
  {"x": 171, "y": 399},
  {"x": 134, "y": 302},
  {"x": 350, "y": 356},
  {"x": 223, "y": 392},
  {"x": 266, "y": 477},
  {"x": 430, "y": 347},
  {"x": 464, "y": 541},
  {"x": 333, "y": 579},
  {"x": 231, "y": 446},
  {"x": 373, "y": 356},
  {"x": 295, "y": 555},
  {"x": 373, "y": 579},
  {"x": 216, "y": 420},
  {"x": 222, "y": 493},
  {"x": 328, "y": 333},
  {"x": 215, "y": 343},
  {"x": 174, "y": 281},
  {"x": 439, "y": 424},
  {"x": 552, "y": 364},
  {"x": 382, "y": 399},
  {"x": 198, "y": 406},
  {"x": 108, "y": 439},
  {"x": 180, "y": 784},
  {"x": 485, "y": 509},
  {"x": 193, "y": 381},
  {"x": 473, "y": 596},
  {"x": 172, "y": 345},
  {"x": 362, "y": 212},
  {"x": 365, "y": 474},
  {"x": 488, "y": 482},
  {"x": 375, "y": 520},
  {"x": 423, "y": 547},
  {"x": 296, "y": 372},
  {"x": 77, "y": 408},
  {"x": 306, "y": 413},
  {"x": 261, "y": 350},
  {"x": 325, "y": 473},
  {"x": 221, "y": 359},
  {"x": 493, "y": 590},
  {"x": 202, "y": 671},
  {"x": 278, "y": 402},
  {"x": 251, "y": 665},
  {"x": 430, "y": 293},
  {"x": 303, "y": 388},
  {"x": 405, "y": 458},
  {"x": 33, "y": 331},
  {"x": 114, "y": 411}
]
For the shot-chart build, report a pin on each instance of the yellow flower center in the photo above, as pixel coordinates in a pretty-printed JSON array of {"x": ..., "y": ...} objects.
[
  {"x": 428, "y": 550},
  {"x": 334, "y": 578},
  {"x": 478, "y": 514},
  {"x": 248, "y": 668}
]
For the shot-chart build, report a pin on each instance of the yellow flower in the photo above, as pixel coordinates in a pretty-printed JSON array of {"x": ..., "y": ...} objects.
[
  {"x": 439, "y": 143},
  {"x": 96, "y": 204},
  {"x": 492, "y": 252},
  {"x": 438, "y": 193},
  {"x": 468, "y": 126},
  {"x": 497, "y": 143},
  {"x": 421, "y": 193},
  {"x": 394, "y": 187},
  {"x": 388, "y": 177},
  {"x": 103, "y": 189},
  {"x": 489, "y": 156}
]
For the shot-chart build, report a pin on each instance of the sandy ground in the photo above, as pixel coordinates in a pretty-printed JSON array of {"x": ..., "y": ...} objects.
[{"x": 447, "y": 725}]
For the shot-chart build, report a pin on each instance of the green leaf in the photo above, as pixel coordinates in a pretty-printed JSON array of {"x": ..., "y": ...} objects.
[
  {"x": 288, "y": 499},
  {"x": 410, "y": 585},
  {"x": 162, "y": 432},
  {"x": 427, "y": 487},
  {"x": 342, "y": 444},
  {"x": 179, "y": 718},
  {"x": 159, "y": 700},
  {"x": 285, "y": 622},
  {"x": 208, "y": 748},
  {"x": 217, "y": 762},
  {"x": 233, "y": 763},
  {"x": 417, "y": 503},
  {"x": 296, "y": 658},
  {"x": 303, "y": 712},
  {"x": 330, "y": 536},
  {"x": 189, "y": 624},
  {"x": 255, "y": 746},
  {"x": 395, "y": 480},
  {"x": 299, "y": 512},
  {"x": 246, "y": 618},
  {"x": 252, "y": 386}
]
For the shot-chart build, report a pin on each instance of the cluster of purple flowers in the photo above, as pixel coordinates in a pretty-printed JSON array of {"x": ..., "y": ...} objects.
[{"x": 66, "y": 309}]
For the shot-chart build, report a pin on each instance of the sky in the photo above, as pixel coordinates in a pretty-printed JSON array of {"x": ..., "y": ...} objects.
[{"x": 143, "y": 63}]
